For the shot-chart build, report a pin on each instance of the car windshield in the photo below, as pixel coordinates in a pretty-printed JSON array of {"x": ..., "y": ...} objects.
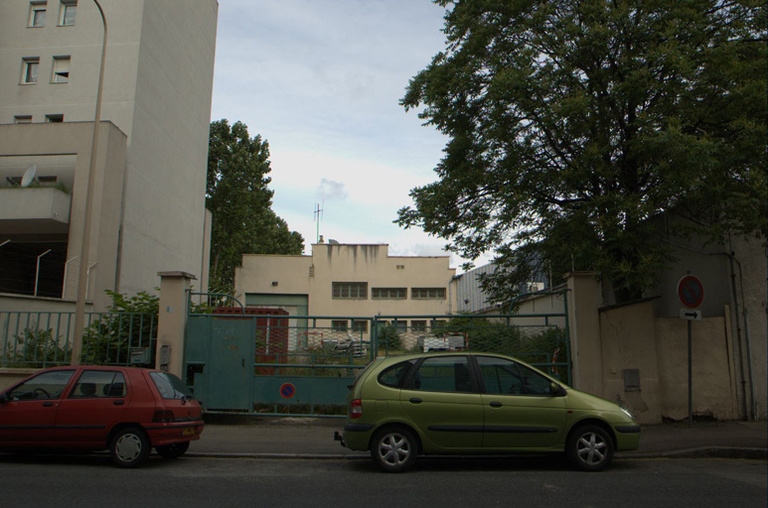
[{"x": 170, "y": 386}]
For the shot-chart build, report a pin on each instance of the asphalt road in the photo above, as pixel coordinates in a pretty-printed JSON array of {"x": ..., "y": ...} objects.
[{"x": 91, "y": 481}]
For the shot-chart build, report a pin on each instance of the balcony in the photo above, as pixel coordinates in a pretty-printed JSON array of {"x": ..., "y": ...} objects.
[{"x": 34, "y": 211}]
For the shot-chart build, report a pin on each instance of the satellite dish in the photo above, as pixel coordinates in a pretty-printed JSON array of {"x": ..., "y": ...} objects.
[{"x": 29, "y": 176}]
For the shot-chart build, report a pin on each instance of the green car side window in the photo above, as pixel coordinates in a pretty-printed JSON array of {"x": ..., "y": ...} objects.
[
  {"x": 505, "y": 377},
  {"x": 393, "y": 376},
  {"x": 442, "y": 374}
]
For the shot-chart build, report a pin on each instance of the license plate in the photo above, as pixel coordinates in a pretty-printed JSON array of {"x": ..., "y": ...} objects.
[{"x": 187, "y": 431}]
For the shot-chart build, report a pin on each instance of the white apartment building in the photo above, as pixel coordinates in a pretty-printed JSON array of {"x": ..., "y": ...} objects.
[
  {"x": 349, "y": 284},
  {"x": 149, "y": 188}
]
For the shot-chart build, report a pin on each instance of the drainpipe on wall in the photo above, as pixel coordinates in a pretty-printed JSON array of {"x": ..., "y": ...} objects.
[{"x": 749, "y": 409}]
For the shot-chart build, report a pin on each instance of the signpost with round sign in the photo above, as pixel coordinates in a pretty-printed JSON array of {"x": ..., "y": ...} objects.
[{"x": 690, "y": 290}]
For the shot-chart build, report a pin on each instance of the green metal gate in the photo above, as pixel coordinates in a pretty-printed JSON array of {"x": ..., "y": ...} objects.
[{"x": 260, "y": 360}]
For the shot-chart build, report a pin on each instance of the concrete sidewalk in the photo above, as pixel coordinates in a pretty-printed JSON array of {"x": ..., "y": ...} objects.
[{"x": 313, "y": 438}]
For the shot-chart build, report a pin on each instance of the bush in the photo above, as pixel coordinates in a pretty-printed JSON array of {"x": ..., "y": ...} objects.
[
  {"x": 131, "y": 322},
  {"x": 35, "y": 348}
]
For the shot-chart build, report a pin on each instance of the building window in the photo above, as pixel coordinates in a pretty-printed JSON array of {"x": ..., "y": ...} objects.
[
  {"x": 437, "y": 324},
  {"x": 57, "y": 118},
  {"x": 418, "y": 326},
  {"x": 338, "y": 325},
  {"x": 22, "y": 119},
  {"x": 359, "y": 326},
  {"x": 428, "y": 293},
  {"x": 389, "y": 293},
  {"x": 37, "y": 14},
  {"x": 350, "y": 290},
  {"x": 29, "y": 70},
  {"x": 68, "y": 12},
  {"x": 60, "y": 69}
]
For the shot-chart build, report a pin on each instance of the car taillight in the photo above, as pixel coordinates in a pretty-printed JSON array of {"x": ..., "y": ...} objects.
[
  {"x": 163, "y": 416},
  {"x": 356, "y": 408}
]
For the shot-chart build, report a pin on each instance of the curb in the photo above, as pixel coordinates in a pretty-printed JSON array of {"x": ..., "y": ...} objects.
[
  {"x": 258, "y": 455},
  {"x": 720, "y": 452}
]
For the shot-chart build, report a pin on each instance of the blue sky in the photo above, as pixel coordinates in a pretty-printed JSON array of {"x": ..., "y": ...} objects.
[{"x": 320, "y": 80}]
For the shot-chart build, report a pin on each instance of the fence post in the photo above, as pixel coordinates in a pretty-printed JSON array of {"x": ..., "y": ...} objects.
[{"x": 172, "y": 321}]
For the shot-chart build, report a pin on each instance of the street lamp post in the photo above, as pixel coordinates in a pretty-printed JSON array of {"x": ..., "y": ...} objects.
[{"x": 82, "y": 276}]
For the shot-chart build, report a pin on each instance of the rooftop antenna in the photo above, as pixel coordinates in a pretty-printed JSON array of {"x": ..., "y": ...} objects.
[
  {"x": 318, "y": 217},
  {"x": 29, "y": 176}
]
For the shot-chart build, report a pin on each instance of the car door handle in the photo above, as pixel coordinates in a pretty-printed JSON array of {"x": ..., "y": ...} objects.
[
  {"x": 48, "y": 404},
  {"x": 118, "y": 402},
  {"x": 495, "y": 404},
  {"x": 415, "y": 401}
]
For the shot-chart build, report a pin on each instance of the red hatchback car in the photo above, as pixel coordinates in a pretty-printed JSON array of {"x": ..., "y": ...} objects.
[{"x": 126, "y": 410}]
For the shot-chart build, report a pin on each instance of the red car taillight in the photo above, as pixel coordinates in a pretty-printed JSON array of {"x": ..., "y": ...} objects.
[
  {"x": 163, "y": 416},
  {"x": 356, "y": 408}
]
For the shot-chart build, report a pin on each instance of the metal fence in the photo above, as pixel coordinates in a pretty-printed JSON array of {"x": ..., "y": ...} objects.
[
  {"x": 303, "y": 365},
  {"x": 44, "y": 339}
]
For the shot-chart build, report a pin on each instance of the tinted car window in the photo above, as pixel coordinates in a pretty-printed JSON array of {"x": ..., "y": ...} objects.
[
  {"x": 393, "y": 376},
  {"x": 99, "y": 383},
  {"x": 169, "y": 386},
  {"x": 47, "y": 385},
  {"x": 506, "y": 377},
  {"x": 442, "y": 374}
]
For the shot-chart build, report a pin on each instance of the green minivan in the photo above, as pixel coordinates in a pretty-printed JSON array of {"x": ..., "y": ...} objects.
[{"x": 459, "y": 403}]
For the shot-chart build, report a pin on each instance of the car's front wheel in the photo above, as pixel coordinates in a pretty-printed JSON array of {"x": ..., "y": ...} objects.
[
  {"x": 129, "y": 447},
  {"x": 589, "y": 448},
  {"x": 394, "y": 449},
  {"x": 173, "y": 450}
]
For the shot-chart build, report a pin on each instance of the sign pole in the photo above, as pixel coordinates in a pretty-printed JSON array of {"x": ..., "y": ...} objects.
[
  {"x": 690, "y": 376},
  {"x": 690, "y": 290}
]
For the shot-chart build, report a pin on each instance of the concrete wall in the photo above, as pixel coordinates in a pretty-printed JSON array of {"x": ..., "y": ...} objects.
[
  {"x": 713, "y": 375},
  {"x": 628, "y": 342},
  {"x": 168, "y": 147}
]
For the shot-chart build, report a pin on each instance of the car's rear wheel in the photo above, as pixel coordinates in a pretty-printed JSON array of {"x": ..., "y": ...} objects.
[
  {"x": 173, "y": 450},
  {"x": 129, "y": 447},
  {"x": 394, "y": 449},
  {"x": 589, "y": 448}
]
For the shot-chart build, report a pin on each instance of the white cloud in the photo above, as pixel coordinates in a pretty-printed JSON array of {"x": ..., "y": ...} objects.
[{"x": 331, "y": 190}]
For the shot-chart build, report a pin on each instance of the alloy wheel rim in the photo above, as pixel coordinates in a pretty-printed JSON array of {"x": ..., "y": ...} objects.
[
  {"x": 591, "y": 448},
  {"x": 394, "y": 449}
]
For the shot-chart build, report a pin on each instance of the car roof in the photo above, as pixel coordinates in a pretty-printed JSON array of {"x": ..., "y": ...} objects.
[
  {"x": 96, "y": 367},
  {"x": 431, "y": 354}
]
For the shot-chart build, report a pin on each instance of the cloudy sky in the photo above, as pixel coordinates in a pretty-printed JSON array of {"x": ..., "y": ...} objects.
[{"x": 320, "y": 80}]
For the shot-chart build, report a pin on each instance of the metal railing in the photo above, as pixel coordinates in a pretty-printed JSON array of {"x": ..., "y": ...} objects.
[{"x": 44, "y": 339}]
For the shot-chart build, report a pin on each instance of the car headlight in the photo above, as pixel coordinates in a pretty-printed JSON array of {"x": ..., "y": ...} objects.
[{"x": 628, "y": 413}]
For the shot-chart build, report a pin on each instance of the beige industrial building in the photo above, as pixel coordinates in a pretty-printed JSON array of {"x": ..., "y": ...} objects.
[
  {"x": 349, "y": 281},
  {"x": 148, "y": 198}
]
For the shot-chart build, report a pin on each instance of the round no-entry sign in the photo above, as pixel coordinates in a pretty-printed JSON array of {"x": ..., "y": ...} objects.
[{"x": 691, "y": 291}]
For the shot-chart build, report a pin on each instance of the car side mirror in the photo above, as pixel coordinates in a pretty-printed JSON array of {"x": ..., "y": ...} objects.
[
  {"x": 556, "y": 390},
  {"x": 5, "y": 397}
]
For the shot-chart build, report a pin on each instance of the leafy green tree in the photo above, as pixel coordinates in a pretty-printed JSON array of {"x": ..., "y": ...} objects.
[
  {"x": 240, "y": 201},
  {"x": 573, "y": 124}
]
